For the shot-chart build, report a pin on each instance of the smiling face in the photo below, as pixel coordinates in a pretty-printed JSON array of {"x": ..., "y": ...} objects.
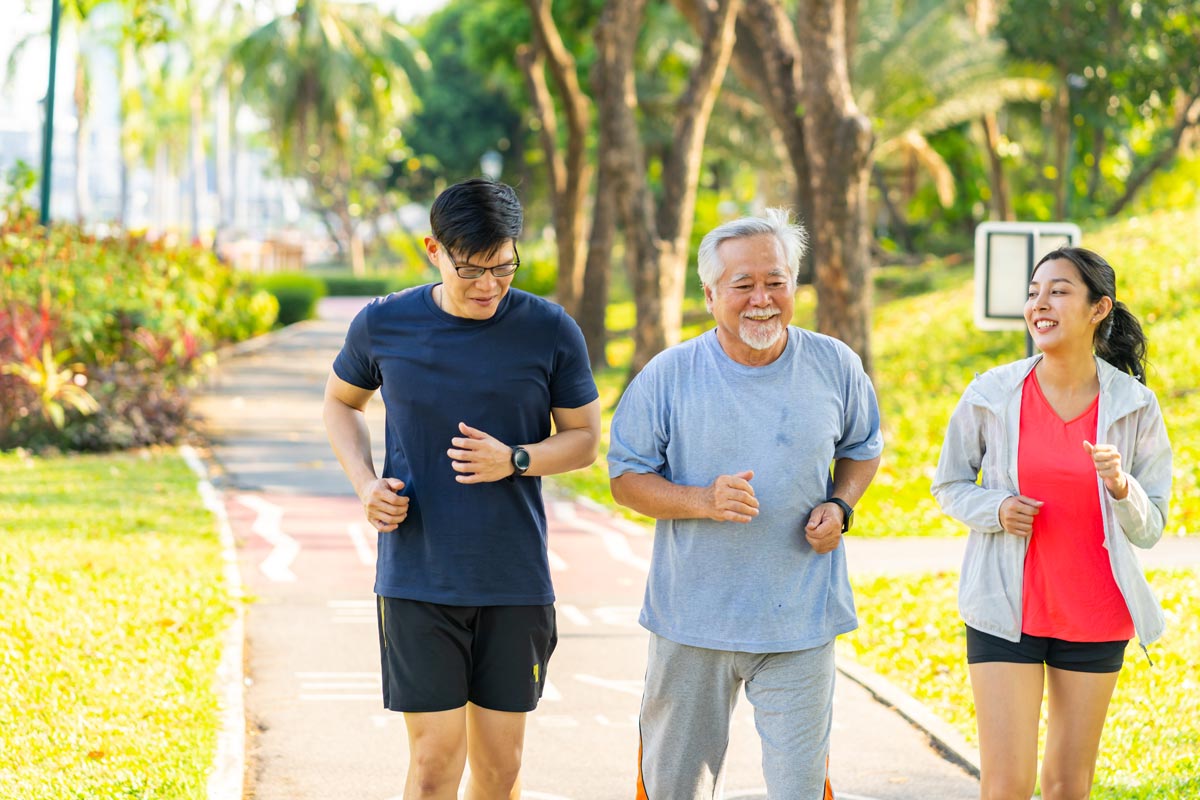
[
  {"x": 471, "y": 299},
  {"x": 1059, "y": 313},
  {"x": 752, "y": 301}
]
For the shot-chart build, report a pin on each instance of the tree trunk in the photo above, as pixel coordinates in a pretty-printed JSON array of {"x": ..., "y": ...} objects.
[
  {"x": 571, "y": 176},
  {"x": 198, "y": 167},
  {"x": 766, "y": 58},
  {"x": 593, "y": 304},
  {"x": 839, "y": 142},
  {"x": 82, "y": 128},
  {"x": 222, "y": 141},
  {"x": 657, "y": 237},
  {"x": 1062, "y": 148},
  {"x": 1000, "y": 203},
  {"x": 984, "y": 15}
]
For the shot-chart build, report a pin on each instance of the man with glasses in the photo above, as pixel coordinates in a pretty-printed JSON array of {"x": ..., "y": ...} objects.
[{"x": 472, "y": 373}]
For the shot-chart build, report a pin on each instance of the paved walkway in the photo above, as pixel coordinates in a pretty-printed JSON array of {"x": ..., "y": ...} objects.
[{"x": 314, "y": 715}]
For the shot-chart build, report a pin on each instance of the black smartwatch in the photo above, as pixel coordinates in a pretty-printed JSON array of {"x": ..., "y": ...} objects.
[
  {"x": 847, "y": 512},
  {"x": 520, "y": 460}
]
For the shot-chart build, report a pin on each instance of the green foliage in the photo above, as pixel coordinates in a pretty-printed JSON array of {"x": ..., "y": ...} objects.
[
  {"x": 539, "y": 268},
  {"x": 99, "y": 338},
  {"x": 1171, "y": 190},
  {"x": 1124, "y": 64},
  {"x": 910, "y": 633},
  {"x": 114, "y": 607},
  {"x": 296, "y": 293}
]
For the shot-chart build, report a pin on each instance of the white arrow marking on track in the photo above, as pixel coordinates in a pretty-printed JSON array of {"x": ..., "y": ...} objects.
[
  {"x": 358, "y": 535},
  {"x": 278, "y": 565},
  {"x": 574, "y": 614},
  {"x": 614, "y": 541}
]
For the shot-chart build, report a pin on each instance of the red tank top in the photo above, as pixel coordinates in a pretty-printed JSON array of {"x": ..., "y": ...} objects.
[{"x": 1069, "y": 590}]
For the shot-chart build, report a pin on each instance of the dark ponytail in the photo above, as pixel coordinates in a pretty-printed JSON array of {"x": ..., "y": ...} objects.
[
  {"x": 1119, "y": 338},
  {"x": 1121, "y": 342}
]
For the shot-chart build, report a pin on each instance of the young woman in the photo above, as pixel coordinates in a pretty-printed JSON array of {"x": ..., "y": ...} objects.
[{"x": 1076, "y": 469}]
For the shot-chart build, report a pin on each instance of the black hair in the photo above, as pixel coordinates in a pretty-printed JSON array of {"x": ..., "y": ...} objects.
[
  {"x": 1119, "y": 338},
  {"x": 476, "y": 217}
]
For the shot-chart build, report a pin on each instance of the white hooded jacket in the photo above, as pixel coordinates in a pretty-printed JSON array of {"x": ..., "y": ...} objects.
[{"x": 982, "y": 439}]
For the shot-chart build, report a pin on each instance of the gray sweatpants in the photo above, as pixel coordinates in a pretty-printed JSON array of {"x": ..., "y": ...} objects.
[{"x": 687, "y": 704}]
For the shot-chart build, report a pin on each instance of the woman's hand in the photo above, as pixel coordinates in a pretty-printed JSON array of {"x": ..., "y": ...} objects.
[
  {"x": 1108, "y": 466},
  {"x": 1017, "y": 513}
]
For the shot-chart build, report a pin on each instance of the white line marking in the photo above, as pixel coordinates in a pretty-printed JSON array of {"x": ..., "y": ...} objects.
[
  {"x": 556, "y": 561},
  {"x": 337, "y": 675},
  {"x": 335, "y": 685},
  {"x": 626, "y": 687},
  {"x": 614, "y": 541},
  {"x": 278, "y": 565},
  {"x": 378, "y": 698},
  {"x": 550, "y": 692},
  {"x": 574, "y": 614},
  {"x": 357, "y": 533}
]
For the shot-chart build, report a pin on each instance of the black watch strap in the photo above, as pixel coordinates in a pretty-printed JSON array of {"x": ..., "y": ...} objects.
[{"x": 847, "y": 511}]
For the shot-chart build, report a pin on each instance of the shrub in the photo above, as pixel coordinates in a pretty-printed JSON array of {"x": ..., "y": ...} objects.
[
  {"x": 297, "y": 294},
  {"x": 99, "y": 338},
  {"x": 353, "y": 286}
]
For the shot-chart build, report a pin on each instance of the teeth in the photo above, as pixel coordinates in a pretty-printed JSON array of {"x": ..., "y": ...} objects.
[{"x": 1044, "y": 324}]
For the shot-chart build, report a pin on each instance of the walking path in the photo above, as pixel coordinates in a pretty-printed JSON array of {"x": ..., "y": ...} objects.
[{"x": 315, "y": 724}]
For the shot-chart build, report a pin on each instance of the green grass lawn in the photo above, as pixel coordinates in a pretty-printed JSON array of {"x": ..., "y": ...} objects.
[
  {"x": 112, "y": 607},
  {"x": 910, "y": 633},
  {"x": 927, "y": 350}
]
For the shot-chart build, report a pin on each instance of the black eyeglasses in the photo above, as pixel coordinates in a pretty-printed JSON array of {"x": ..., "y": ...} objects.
[{"x": 470, "y": 271}]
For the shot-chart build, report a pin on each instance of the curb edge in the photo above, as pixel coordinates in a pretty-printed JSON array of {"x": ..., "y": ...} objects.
[
  {"x": 227, "y": 779},
  {"x": 945, "y": 739}
]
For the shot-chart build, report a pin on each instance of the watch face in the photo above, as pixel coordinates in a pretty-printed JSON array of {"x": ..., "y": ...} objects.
[{"x": 520, "y": 459}]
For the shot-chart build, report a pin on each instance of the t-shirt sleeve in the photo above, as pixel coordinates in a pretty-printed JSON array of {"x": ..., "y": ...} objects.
[
  {"x": 571, "y": 384},
  {"x": 355, "y": 363},
  {"x": 638, "y": 437},
  {"x": 861, "y": 438}
]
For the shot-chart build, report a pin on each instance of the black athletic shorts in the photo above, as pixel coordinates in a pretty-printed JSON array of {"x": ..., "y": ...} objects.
[
  {"x": 1058, "y": 653},
  {"x": 436, "y": 657}
]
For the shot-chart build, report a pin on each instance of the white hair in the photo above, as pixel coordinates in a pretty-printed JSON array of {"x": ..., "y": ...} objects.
[{"x": 777, "y": 222}]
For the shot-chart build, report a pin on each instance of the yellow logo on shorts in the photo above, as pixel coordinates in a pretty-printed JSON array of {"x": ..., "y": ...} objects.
[{"x": 535, "y": 672}]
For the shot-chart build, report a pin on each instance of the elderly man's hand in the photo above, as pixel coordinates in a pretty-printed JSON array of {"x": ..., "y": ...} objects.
[
  {"x": 731, "y": 498},
  {"x": 824, "y": 528}
]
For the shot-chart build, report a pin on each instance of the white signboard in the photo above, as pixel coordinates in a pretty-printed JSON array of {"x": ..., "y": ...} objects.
[{"x": 1005, "y": 255}]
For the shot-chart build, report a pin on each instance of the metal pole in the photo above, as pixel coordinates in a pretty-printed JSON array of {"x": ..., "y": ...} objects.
[{"x": 48, "y": 127}]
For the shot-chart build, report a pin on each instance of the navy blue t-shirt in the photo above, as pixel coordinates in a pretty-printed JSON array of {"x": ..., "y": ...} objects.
[{"x": 465, "y": 544}]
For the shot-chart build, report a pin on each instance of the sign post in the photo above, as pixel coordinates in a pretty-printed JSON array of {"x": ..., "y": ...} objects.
[{"x": 1005, "y": 255}]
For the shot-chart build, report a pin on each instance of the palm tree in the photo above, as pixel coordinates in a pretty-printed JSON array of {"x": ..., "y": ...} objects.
[
  {"x": 333, "y": 80},
  {"x": 924, "y": 68}
]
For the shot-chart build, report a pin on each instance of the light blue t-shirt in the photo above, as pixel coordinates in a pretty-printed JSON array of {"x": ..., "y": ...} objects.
[{"x": 694, "y": 413}]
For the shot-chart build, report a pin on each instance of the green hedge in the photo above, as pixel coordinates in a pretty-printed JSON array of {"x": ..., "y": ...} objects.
[{"x": 296, "y": 293}]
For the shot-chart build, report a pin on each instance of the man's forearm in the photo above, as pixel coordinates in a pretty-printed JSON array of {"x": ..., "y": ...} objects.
[
  {"x": 655, "y": 496},
  {"x": 567, "y": 450},
  {"x": 851, "y": 478},
  {"x": 351, "y": 442}
]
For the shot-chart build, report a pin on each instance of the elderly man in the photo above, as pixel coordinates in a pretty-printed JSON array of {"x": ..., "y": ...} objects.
[{"x": 727, "y": 440}]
